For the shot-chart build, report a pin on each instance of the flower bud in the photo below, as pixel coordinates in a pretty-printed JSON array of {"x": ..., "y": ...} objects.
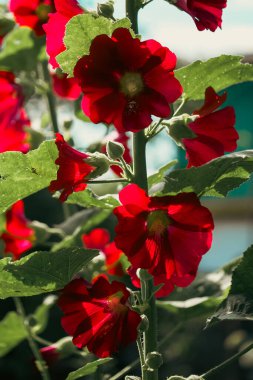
[
  {"x": 154, "y": 360},
  {"x": 114, "y": 150},
  {"x": 100, "y": 162},
  {"x": 143, "y": 274},
  {"x": 106, "y": 9},
  {"x": 179, "y": 130}
]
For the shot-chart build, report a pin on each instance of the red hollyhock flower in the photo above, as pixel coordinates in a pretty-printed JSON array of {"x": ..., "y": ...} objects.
[
  {"x": 14, "y": 137},
  {"x": 120, "y": 138},
  {"x": 96, "y": 239},
  {"x": 98, "y": 316},
  {"x": 32, "y": 13},
  {"x": 18, "y": 237},
  {"x": 66, "y": 88},
  {"x": 214, "y": 131},
  {"x": 207, "y": 14},
  {"x": 125, "y": 81},
  {"x": 11, "y": 97},
  {"x": 99, "y": 239},
  {"x": 165, "y": 235},
  {"x": 55, "y": 28},
  {"x": 72, "y": 169}
]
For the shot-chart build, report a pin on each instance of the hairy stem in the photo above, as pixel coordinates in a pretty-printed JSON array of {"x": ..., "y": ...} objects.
[{"x": 41, "y": 365}]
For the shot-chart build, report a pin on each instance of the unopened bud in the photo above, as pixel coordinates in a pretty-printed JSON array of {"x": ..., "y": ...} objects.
[
  {"x": 154, "y": 360},
  {"x": 114, "y": 150},
  {"x": 106, "y": 9},
  {"x": 143, "y": 274},
  {"x": 100, "y": 162}
]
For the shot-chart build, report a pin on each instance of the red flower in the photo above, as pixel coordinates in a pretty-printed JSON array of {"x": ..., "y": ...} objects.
[
  {"x": 96, "y": 239},
  {"x": 99, "y": 239},
  {"x": 205, "y": 13},
  {"x": 120, "y": 138},
  {"x": 13, "y": 118},
  {"x": 55, "y": 28},
  {"x": 98, "y": 316},
  {"x": 50, "y": 354},
  {"x": 125, "y": 81},
  {"x": 32, "y": 13},
  {"x": 18, "y": 237},
  {"x": 65, "y": 87},
  {"x": 14, "y": 136},
  {"x": 215, "y": 132},
  {"x": 165, "y": 235},
  {"x": 72, "y": 169}
]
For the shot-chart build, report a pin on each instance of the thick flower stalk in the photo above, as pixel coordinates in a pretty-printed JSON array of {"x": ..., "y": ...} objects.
[
  {"x": 125, "y": 81},
  {"x": 165, "y": 235},
  {"x": 98, "y": 315}
]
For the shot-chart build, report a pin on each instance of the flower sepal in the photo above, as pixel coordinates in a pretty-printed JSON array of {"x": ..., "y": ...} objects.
[
  {"x": 100, "y": 162},
  {"x": 178, "y": 128}
]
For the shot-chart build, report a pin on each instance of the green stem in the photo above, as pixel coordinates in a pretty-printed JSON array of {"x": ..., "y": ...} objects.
[
  {"x": 141, "y": 355},
  {"x": 107, "y": 181},
  {"x": 132, "y": 14},
  {"x": 50, "y": 98},
  {"x": 233, "y": 358},
  {"x": 41, "y": 365},
  {"x": 139, "y": 160}
]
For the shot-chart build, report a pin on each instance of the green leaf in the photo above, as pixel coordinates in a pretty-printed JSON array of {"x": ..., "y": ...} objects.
[
  {"x": 41, "y": 272},
  {"x": 88, "y": 369},
  {"x": 41, "y": 314},
  {"x": 191, "y": 308},
  {"x": 159, "y": 175},
  {"x": 12, "y": 332},
  {"x": 22, "y": 50},
  {"x": 239, "y": 303},
  {"x": 219, "y": 72},
  {"x": 80, "y": 32},
  {"x": 87, "y": 199},
  {"x": 215, "y": 178},
  {"x": 29, "y": 172}
]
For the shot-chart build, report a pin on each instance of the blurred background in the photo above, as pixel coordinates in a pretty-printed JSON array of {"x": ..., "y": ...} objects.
[{"x": 192, "y": 350}]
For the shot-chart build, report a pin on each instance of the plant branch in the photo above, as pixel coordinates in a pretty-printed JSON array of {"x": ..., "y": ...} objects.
[
  {"x": 224, "y": 364},
  {"x": 41, "y": 365},
  {"x": 107, "y": 181}
]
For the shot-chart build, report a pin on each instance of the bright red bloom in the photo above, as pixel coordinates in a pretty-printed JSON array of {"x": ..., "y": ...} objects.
[
  {"x": 207, "y": 14},
  {"x": 32, "y": 13},
  {"x": 125, "y": 81},
  {"x": 99, "y": 239},
  {"x": 65, "y": 87},
  {"x": 14, "y": 137},
  {"x": 214, "y": 131},
  {"x": 98, "y": 316},
  {"x": 55, "y": 28},
  {"x": 96, "y": 239},
  {"x": 72, "y": 169},
  {"x": 18, "y": 236},
  {"x": 13, "y": 118},
  {"x": 120, "y": 138},
  {"x": 165, "y": 235}
]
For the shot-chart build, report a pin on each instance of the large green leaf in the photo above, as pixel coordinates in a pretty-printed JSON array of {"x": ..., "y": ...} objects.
[
  {"x": 80, "y": 32},
  {"x": 88, "y": 369},
  {"x": 159, "y": 175},
  {"x": 215, "y": 178},
  {"x": 219, "y": 72},
  {"x": 24, "y": 174},
  {"x": 87, "y": 199},
  {"x": 12, "y": 332},
  {"x": 22, "y": 50},
  {"x": 41, "y": 272},
  {"x": 239, "y": 303}
]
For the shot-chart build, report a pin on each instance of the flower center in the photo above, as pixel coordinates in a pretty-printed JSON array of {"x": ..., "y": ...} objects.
[
  {"x": 158, "y": 222},
  {"x": 42, "y": 11},
  {"x": 115, "y": 304},
  {"x": 131, "y": 84}
]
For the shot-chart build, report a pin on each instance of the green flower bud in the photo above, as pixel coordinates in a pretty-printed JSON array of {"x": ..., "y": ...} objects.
[
  {"x": 106, "y": 9},
  {"x": 154, "y": 360},
  {"x": 100, "y": 162},
  {"x": 114, "y": 150},
  {"x": 143, "y": 274}
]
